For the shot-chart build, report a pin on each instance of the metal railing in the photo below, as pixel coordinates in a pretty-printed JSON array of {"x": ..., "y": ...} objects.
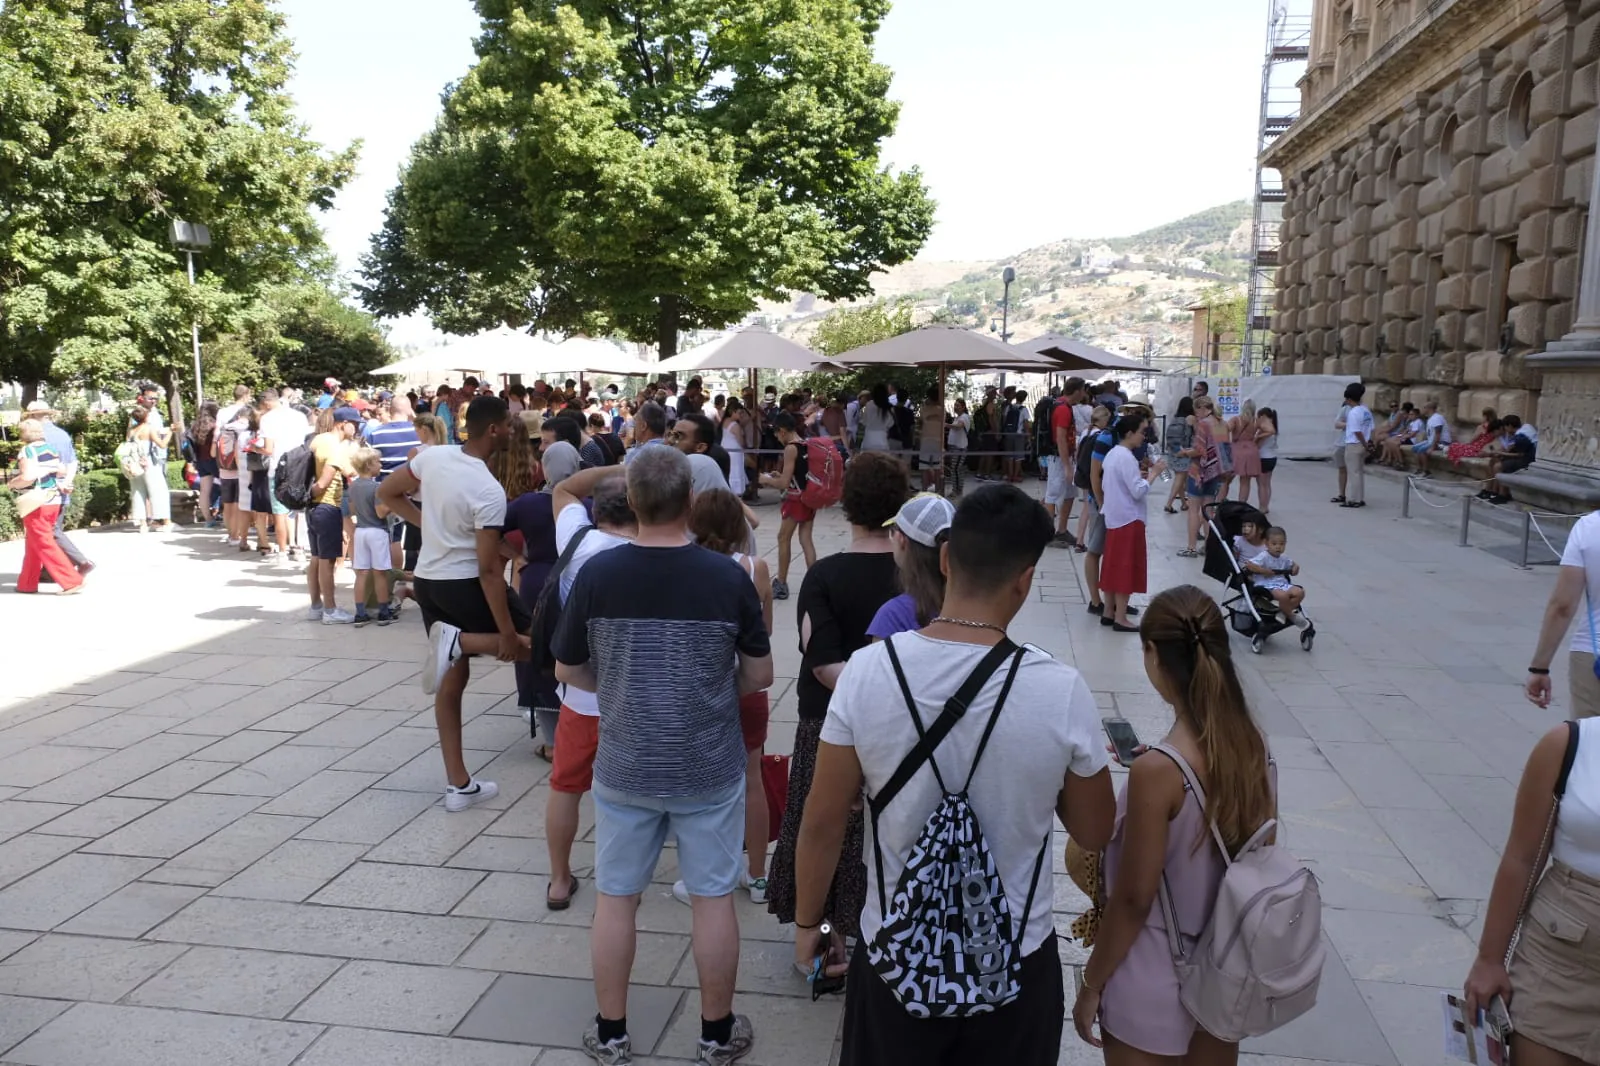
[{"x": 1529, "y": 520}]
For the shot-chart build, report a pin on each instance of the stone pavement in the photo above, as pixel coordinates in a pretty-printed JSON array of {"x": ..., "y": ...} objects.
[{"x": 221, "y": 842}]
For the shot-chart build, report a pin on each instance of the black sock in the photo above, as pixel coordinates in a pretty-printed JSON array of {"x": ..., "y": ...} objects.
[
  {"x": 717, "y": 1032},
  {"x": 612, "y": 1030}
]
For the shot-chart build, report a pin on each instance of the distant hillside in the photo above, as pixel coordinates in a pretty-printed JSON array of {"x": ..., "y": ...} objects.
[{"x": 1120, "y": 293}]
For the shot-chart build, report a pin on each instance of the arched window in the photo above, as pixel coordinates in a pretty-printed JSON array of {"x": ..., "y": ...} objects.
[
  {"x": 1447, "y": 147},
  {"x": 1519, "y": 113}
]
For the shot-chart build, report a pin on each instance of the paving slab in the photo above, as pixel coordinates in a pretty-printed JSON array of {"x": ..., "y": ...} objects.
[
  {"x": 398, "y": 887},
  {"x": 21, "y": 1016},
  {"x": 132, "y": 910},
  {"x": 141, "y": 1036},
  {"x": 313, "y": 930},
  {"x": 340, "y": 1046},
  {"x": 554, "y": 1012},
  {"x": 82, "y": 967},
  {"x": 175, "y": 826},
  {"x": 385, "y": 995},
  {"x": 264, "y": 984},
  {"x": 293, "y": 871}
]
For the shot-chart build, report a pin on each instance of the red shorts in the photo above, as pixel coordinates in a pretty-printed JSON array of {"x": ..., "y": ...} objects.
[
  {"x": 1124, "y": 565},
  {"x": 796, "y": 511},
  {"x": 753, "y": 714},
  {"x": 577, "y": 739}
]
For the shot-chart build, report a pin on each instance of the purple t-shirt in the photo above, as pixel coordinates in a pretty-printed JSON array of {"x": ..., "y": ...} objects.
[{"x": 899, "y": 615}]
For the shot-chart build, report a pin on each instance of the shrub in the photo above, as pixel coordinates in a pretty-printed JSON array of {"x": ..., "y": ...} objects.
[{"x": 10, "y": 523}]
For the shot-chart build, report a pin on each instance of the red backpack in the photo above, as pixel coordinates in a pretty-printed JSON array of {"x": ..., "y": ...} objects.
[{"x": 824, "y": 473}]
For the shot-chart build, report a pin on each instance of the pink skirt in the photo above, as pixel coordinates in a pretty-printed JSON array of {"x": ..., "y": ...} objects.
[{"x": 1124, "y": 567}]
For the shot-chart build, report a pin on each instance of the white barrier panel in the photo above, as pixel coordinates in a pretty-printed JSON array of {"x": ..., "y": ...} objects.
[{"x": 1307, "y": 405}]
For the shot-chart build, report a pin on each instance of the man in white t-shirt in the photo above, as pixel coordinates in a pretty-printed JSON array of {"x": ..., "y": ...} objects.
[
  {"x": 1577, "y": 589},
  {"x": 577, "y": 732},
  {"x": 460, "y": 586},
  {"x": 1044, "y": 760},
  {"x": 1435, "y": 436},
  {"x": 1358, "y": 429}
]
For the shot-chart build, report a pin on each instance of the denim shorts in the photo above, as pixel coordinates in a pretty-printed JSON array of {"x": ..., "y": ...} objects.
[
  {"x": 629, "y": 832},
  {"x": 1204, "y": 489}
]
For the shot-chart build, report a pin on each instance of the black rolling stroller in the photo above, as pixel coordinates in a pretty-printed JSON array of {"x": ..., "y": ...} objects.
[{"x": 1252, "y": 612}]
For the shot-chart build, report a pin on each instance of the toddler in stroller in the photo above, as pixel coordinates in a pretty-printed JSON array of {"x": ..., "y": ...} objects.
[{"x": 1253, "y": 610}]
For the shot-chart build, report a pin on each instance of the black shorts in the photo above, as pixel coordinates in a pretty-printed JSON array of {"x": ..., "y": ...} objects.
[
  {"x": 1026, "y": 1032},
  {"x": 461, "y": 603},
  {"x": 230, "y": 489},
  {"x": 1512, "y": 464},
  {"x": 260, "y": 496},
  {"x": 325, "y": 531},
  {"x": 1268, "y": 465},
  {"x": 410, "y": 545}
]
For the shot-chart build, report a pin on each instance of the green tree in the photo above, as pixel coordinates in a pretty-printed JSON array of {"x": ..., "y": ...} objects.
[
  {"x": 297, "y": 335},
  {"x": 117, "y": 116},
  {"x": 641, "y": 167},
  {"x": 849, "y": 328}
]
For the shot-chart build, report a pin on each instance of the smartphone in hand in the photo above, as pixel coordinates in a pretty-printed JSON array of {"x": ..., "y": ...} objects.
[{"x": 1120, "y": 732}]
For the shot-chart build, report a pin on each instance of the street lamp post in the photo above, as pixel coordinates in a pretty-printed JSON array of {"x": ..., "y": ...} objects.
[
  {"x": 189, "y": 238},
  {"x": 1006, "y": 278}
]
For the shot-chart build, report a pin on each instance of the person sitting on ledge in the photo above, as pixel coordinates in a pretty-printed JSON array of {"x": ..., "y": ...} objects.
[{"x": 1519, "y": 450}]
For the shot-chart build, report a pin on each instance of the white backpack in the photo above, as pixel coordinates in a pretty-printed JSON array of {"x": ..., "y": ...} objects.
[{"x": 1258, "y": 963}]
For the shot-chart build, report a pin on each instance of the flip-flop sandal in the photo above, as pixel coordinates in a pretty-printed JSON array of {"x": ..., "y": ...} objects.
[
  {"x": 543, "y": 751},
  {"x": 561, "y": 904},
  {"x": 1188, "y": 553},
  {"x": 1170, "y": 510}
]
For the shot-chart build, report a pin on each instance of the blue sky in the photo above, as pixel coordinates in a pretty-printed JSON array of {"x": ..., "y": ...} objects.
[{"x": 1032, "y": 120}]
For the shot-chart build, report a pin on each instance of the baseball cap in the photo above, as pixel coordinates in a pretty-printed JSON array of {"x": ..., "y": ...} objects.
[
  {"x": 924, "y": 518},
  {"x": 346, "y": 414},
  {"x": 385, "y": 395},
  {"x": 330, "y": 383}
]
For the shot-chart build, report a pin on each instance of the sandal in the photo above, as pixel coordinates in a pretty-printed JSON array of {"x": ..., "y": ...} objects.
[
  {"x": 543, "y": 751},
  {"x": 1170, "y": 509},
  {"x": 1337, "y": 499},
  {"x": 561, "y": 904},
  {"x": 1188, "y": 553}
]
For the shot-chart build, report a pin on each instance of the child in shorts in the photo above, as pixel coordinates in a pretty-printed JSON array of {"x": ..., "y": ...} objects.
[
  {"x": 1271, "y": 570},
  {"x": 371, "y": 547}
]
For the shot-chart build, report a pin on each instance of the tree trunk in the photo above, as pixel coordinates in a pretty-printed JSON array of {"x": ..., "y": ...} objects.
[
  {"x": 667, "y": 329},
  {"x": 30, "y": 393},
  {"x": 174, "y": 401}
]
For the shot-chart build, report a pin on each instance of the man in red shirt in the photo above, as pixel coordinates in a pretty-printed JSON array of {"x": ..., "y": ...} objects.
[{"x": 1059, "y": 492}]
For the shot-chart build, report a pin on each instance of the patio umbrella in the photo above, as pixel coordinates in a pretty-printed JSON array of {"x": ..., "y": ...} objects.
[
  {"x": 749, "y": 349},
  {"x": 593, "y": 356},
  {"x": 951, "y": 347},
  {"x": 1068, "y": 353}
]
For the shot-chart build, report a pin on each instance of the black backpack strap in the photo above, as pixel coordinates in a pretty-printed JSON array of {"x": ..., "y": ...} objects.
[
  {"x": 1567, "y": 759},
  {"x": 955, "y": 709},
  {"x": 994, "y": 716},
  {"x": 566, "y": 557},
  {"x": 1033, "y": 888}
]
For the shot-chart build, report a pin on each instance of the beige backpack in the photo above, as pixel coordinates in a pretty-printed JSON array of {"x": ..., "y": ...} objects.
[{"x": 1258, "y": 962}]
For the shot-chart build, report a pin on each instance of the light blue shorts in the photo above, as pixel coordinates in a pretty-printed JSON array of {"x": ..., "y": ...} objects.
[
  {"x": 629, "y": 832},
  {"x": 1422, "y": 449}
]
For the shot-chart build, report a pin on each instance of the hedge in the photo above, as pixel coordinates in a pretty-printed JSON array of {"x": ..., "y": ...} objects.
[{"x": 98, "y": 497}]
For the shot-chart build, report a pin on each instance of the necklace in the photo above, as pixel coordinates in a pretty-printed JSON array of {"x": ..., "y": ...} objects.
[{"x": 971, "y": 625}]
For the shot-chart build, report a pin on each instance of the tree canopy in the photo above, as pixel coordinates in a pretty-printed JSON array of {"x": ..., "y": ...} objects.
[
  {"x": 645, "y": 166},
  {"x": 117, "y": 116}
]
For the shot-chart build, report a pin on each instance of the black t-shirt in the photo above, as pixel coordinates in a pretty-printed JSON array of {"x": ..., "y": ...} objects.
[
  {"x": 802, "y": 465},
  {"x": 668, "y": 690},
  {"x": 840, "y": 595}
]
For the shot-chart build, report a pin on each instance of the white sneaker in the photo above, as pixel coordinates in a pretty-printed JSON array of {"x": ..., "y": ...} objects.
[
  {"x": 459, "y": 799},
  {"x": 443, "y": 650},
  {"x": 232, "y": 542},
  {"x": 337, "y": 617},
  {"x": 313, "y": 613}
]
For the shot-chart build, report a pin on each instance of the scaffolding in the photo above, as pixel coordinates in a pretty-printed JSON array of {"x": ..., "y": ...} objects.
[{"x": 1288, "y": 51}]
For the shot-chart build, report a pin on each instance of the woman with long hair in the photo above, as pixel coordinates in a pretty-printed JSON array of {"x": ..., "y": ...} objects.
[
  {"x": 839, "y": 598},
  {"x": 1164, "y": 834},
  {"x": 1267, "y": 448},
  {"x": 202, "y": 435},
  {"x": 877, "y": 418},
  {"x": 1488, "y": 430},
  {"x": 1179, "y": 439},
  {"x": 735, "y": 432},
  {"x": 1205, "y": 468},
  {"x": 430, "y": 431},
  {"x": 919, "y": 529},
  {"x": 152, "y": 500},
  {"x": 717, "y": 521},
  {"x": 1246, "y": 452},
  {"x": 513, "y": 466},
  {"x": 1553, "y": 983}
]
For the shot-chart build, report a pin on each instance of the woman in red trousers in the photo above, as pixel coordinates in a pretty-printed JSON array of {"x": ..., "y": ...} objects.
[{"x": 39, "y": 498}]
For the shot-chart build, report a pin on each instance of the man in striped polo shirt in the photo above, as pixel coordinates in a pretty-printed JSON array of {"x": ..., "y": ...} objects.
[{"x": 393, "y": 441}]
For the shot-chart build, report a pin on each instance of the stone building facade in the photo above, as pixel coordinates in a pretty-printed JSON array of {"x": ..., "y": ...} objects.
[{"x": 1436, "y": 190}]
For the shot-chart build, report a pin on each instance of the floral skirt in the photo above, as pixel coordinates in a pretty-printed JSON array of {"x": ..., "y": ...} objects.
[{"x": 849, "y": 892}]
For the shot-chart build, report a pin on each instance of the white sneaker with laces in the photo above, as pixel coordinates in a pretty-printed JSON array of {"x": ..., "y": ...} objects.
[
  {"x": 618, "y": 1052},
  {"x": 444, "y": 647},
  {"x": 459, "y": 799},
  {"x": 314, "y": 613},
  {"x": 337, "y": 617},
  {"x": 739, "y": 1043}
]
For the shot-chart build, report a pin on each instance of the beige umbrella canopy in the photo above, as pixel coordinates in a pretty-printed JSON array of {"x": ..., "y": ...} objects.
[
  {"x": 749, "y": 349},
  {"x": 954, "y": 348},
  {"x": 1069, "y": 353}
]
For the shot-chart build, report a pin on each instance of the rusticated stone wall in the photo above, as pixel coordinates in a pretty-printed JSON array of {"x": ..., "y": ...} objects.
[{"x": 1436, "y": 206}]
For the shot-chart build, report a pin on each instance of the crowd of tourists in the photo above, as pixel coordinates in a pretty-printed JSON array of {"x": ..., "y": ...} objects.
[{"x": 933, "y": 756}]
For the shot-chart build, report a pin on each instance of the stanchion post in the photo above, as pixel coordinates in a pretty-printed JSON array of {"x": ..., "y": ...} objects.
[
  {"x": 1466, "y": 518},
  {"x": 1527, "y": 533},
  {"x": 1405, "y": 497}
]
